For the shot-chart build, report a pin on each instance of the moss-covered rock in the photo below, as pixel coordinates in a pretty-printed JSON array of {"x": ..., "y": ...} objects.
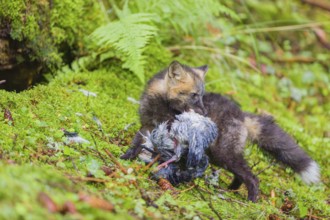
[{"x": 41, "y": 35}]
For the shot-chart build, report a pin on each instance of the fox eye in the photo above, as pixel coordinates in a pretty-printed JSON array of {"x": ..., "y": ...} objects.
[{"x": 194, "y": 95}]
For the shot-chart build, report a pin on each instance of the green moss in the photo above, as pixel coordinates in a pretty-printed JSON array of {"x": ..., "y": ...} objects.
[
  {"x": 28, "y": 181},
  {"x": 36, "y": 138},
  {"x": 22, "y": 186},
  {"x": 49, "y": 29},
  {"x": 45, "y": 161}
]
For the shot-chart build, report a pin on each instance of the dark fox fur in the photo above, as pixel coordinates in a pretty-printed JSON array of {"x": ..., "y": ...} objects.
[{"x": 180, "y": 88}]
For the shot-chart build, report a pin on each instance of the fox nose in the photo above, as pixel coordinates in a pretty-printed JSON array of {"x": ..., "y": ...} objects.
[
  {"x": 200, "y": 110},
  {"x": 203, "y": 110}
]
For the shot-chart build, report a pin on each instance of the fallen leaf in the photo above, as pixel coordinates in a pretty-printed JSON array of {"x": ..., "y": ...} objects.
[
  {"x": 322, "y": 36},
  {"x": 8, "y": 117},
  {"x": 272, "y": 196},
  {"x": 287, "y": 206},
  {"x": 213, "y": 30},
  {"x": 273, "y": 217},
  {"x": 96, "y": 202},
  {"x": 69, "y": 207},
  {"x": 107, "y": 170},
  {"x": 47, "y": 202}
]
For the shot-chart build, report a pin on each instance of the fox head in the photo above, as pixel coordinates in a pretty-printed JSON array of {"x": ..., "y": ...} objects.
[{"x": 185, "y": 87}]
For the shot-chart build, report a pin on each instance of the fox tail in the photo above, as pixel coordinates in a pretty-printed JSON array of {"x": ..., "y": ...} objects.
[{"x": 263, "y": 131}]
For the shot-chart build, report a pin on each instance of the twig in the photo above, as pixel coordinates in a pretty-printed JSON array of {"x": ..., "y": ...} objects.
[
  {"x": 135, "y": 182},
  {"x": 255, "y": 164},
  {"x": 190, "y": 188},
  {"x": 226, "y": 199},
  {"x": 201, "y": 214},
  {"x": 298, "y": 59},
  {"x": 280, "y": 28},
  {"x": 144, "y": 196},
  {"x": 97, "y": 150},
  {"x": 321, "y": 36},
  {"x": 205, "y": 190},
  {"x": 73, "y": 164},
  {"x": 128, "y": 126},
  {"x": 88, "y": 179},
  {"x": 235, "y": 200},
  {"x": 2, "y": 81},
  {"x": 261, "y": 171},
  {"x": 314, "y": 217},
  {"x": 214, "y": 50},
  {"x": 114, "y": 174},
  {"x": 209, "y": 203},
  {"x": 114, "y": 159},
  {"x": 229, "y": 190},
  {"x": 318, "y": 3},
  {"x": 152, "y": 162}
]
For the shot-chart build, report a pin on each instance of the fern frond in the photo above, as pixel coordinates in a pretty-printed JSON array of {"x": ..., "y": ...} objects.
[
  {"x": 186, "y": 17},
  {"x": 227, "y": 11},
  {"x": 129, "y": 36}
]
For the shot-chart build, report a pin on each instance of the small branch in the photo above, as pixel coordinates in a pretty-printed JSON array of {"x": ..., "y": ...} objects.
[
  {"x": 190, "y": 188},
  {"x": 114, "y": 174},
  {"x": 135, "y": 182},
  {"x": 280, "y": 28},
  {"x": 234, "y": 200},
  {"x": 297, "y": 59},
  {"x": 209, "y": 203},
  {"x": 261, "y": 171},
  {"x": 73, "y": 164},
  {"x": 152, "y": 162},
  {"x": 114, "y": 159},
  {"x": 88, "y": 179},
  {"x": 143, "y": 194},
  {"x": 255, "y": 164},
  {"x": 213, "y": 50},
  {"x": 2, "y": 81},
  {"x": 212, "y": 207},
  {"x": 97, "y": 150},
  {"x": 314, "y": 217},
  {"x": 318, "y": 3},
  {"x": 225, "y": 199},
  {"x": 321, "y": 37}
]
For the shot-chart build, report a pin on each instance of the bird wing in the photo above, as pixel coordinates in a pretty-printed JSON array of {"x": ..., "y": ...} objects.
[{"x": 162, "y": 141}]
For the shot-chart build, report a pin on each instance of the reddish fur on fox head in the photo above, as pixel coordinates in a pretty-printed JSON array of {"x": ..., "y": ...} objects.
[{"x": 183, "y": 87}]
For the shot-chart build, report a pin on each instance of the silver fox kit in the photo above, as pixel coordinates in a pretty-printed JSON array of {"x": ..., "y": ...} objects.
[{"x": 180, "y": 88}]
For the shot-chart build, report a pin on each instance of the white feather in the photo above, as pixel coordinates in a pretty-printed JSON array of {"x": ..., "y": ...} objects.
[
  {"x": 88, "y": 93},
  {"x": 77, "y": 139}
]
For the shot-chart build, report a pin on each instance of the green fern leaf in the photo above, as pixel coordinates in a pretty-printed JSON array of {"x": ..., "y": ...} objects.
[
  {"x": 227, "y": 11},
  {"x": 129, "y": 36},
  {"x": 188, "y": 17}
]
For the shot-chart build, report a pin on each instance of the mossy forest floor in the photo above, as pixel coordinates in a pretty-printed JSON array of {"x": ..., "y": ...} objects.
[{"x": 43, "y": 176}]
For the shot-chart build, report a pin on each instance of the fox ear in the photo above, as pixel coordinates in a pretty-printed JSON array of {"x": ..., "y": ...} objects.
[
  {"x": 176, "y": 71},
  {"x": 201, "y": 71}
]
